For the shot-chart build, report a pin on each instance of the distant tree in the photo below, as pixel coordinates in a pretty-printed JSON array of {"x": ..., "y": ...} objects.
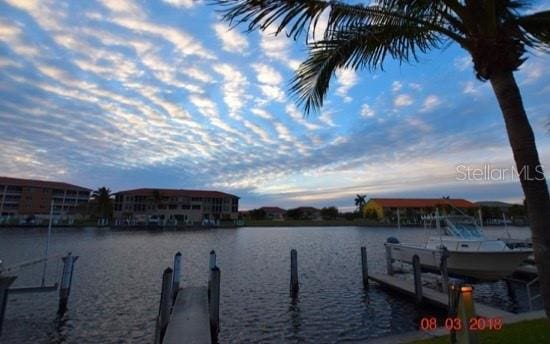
[
  {"x": 103, "y": 201},
  {"x": 360, "y": 202},
  {"x": 516, "y": 210},
  {"x": 294, "y": 214},
  {"x": 329, "y": 213},
  {"x": 257, "y": 214}
]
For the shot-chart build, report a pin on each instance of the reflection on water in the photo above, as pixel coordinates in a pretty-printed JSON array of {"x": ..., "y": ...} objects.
[{"x": 117, "y": 279}]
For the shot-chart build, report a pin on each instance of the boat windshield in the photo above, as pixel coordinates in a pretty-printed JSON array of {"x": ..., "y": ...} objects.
[{"x": 463, "y": 228}]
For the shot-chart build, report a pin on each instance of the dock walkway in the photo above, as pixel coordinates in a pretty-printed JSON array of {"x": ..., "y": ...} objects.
[
  {"x": 189, "y": 322},
  {"x": 436, "y": 298}
]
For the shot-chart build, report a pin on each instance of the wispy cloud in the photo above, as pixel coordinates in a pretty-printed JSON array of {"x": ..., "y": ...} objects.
[
  {"x": 232, "y": 40},
  {"x": 403, "y": 100}
]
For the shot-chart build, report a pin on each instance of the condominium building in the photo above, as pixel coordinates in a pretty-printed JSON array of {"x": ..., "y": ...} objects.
[
  {"x": 27, "y": 197},
  {"x": 183, "y": 206}
]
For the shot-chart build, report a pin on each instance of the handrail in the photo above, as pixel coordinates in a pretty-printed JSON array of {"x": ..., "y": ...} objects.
[{"x": 29, "y": 263}]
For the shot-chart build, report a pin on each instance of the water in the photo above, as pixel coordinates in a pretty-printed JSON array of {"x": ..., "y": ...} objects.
[{"x": 117, "y": 279}]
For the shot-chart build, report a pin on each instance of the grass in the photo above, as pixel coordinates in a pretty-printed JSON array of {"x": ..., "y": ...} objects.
[{"x": 525, "y": 332}]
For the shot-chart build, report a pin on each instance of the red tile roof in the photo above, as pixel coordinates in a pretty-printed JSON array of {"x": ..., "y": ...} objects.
[
  {"x": 40, "y": 184},
  {"x": 176, "y": 192},
  {"x": 422, "y": 202}
]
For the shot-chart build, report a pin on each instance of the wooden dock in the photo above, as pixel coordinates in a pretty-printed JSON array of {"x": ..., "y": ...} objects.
[
  {"x": 190, "y": 321},
  {"x": 436, "y": 298}
]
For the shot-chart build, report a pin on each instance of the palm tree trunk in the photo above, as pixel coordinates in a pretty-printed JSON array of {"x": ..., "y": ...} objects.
[{"x": 532, "y": 177}]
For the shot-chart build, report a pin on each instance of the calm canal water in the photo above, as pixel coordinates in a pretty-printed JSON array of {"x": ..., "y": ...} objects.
[{"x": 117, "y": 279}]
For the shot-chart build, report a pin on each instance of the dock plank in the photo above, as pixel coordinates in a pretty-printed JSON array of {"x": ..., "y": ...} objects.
[
  {"x": 436, "y": 298},
  {"x": 189, "y": 322}
]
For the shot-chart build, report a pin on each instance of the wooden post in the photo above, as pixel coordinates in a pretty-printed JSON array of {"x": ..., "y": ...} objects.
[
  {"x": 211, "y": 265},
  {"x": 294, "y": 285},
  {"x": 176, "y": 276},
  {"x": 364, "y": 266},
  {"x": 165, "y": 303},
  {"x": 214, "y": 303},
  {"x": 466, "y": 312},
  {"x": 454, "y": 297},
  {"x": 443, "y": 270},
  {"x": 417, "y": 278},
  {"x": 389, "y": 261},
  {"x": 66, "y": 281},
  {"x": 5, "y": 282}
]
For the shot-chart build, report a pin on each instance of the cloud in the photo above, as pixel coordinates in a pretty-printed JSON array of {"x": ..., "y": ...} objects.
[
  {"x": 403, "y": 100},
  {"x": 182, "y": 3},
  {"x": 367, "y": 111},
  {"x": 277, "y": 48},
  {"x": 396, "y": 86},
  {"x": 299, "y": 118},
  {"x": 233, "y": 88},
  {"x": 431, "y": 102},
  {"x": 463, "y": 63},
  {"x": 232, "y": 40},
  {"x": 270, "y": 80},
  {"x": 346, "y": 79}
]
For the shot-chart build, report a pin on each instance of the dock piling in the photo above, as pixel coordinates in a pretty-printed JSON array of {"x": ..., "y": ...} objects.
[
  {"x": 389, "y": 261},
  {"x": 417, "y": 279},
  {"x": 165, "y": 304},
  {"x": 214, "y": 303},
  {"x": 5, "y": 282},
  {"x": 176, "y": 276},
  {"x": 294, "y": 285},
  {"x": 66, "y": 281},
  {"x": 364, "y": 266},
  {"x": 466, "y": 312}
]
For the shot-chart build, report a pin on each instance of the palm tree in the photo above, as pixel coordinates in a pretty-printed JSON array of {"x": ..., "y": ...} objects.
[
  {"x": 360, "y": 202},
  {"x": 102, "y": 197},
  {"x": 496, "y": 33}
]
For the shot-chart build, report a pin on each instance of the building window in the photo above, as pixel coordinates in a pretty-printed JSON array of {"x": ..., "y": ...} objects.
[
  {"x": 185, "y": 206},
  {"x": 196, "y": 199},
  {"x": 196, "y": 207},
  {"x": 172, "y": 206}
]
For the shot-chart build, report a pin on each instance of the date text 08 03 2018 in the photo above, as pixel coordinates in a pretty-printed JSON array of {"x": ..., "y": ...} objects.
[{"x": 457, "y": 324}]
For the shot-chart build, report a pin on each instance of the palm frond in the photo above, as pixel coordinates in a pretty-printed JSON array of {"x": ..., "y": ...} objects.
[
  {"x": 536, "y": 25},
  {"x": 298, "y": 17},
  {"x": 356, "y": 47}
]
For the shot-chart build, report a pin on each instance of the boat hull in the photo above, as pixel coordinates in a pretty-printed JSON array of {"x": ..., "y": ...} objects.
[{"x": 480, "y": 265}]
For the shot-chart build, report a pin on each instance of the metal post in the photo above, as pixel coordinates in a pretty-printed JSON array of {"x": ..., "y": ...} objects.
[
  {"x": 364, "y": 266},
  {"x": 389, "y": 261},
  {"x": 417, "y": 278},
  {"x": 480, "y": 218},
  {"x": 214, "y": 303},
  {"x": 398, "y": 220},
  {"x": 443, "y": 270},
  {"x": 5, "y": 283},
  {"x": 505, "y": 225},
  {"x": 212, "y": 261},
  {"x": 176, "y": 277},
  {"x": 47, "y": 246},
  {"x": 294, "y": 285}
]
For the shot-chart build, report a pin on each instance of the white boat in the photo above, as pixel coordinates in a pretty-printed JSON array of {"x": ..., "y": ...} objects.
[{"x": 470, "y": 253}]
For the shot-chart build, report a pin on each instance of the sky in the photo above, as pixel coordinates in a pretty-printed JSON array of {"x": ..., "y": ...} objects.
[{"x": 162, "y": 94}]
